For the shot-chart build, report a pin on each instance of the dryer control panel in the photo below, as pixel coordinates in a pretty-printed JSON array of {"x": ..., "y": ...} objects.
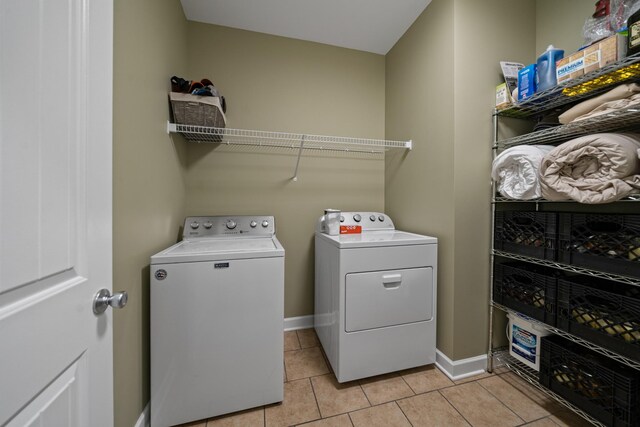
[
  {"x": 369, "y": 221},
  {"x": 196, "y": 227}
]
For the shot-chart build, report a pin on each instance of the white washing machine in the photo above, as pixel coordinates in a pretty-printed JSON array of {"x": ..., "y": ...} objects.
[
  {"x": 217, "y": 312},
  {"x": 375, "y": 297}
]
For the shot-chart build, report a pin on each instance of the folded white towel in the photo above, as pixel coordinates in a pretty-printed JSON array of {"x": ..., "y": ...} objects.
[{"x": 515, "y": 171}]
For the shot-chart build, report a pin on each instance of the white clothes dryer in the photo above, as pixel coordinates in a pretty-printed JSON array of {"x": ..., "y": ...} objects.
[
  {"x": 375, "y": 297},
  {"x": 217, "y": 311}
]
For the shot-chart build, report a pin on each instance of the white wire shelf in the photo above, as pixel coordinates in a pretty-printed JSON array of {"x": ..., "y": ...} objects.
[
  {"x": 285, "y": 139},
  {"x": 625, "y": 119},
  {"x": 296, "y": 141},
  {"x": 634, "y": 364},
  {"x": 570, "y": 268},
  {"x": 531, "y": 376}
]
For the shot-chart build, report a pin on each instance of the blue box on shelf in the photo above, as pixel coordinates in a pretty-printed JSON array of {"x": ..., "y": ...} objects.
[{"x": 526, "y": 82}]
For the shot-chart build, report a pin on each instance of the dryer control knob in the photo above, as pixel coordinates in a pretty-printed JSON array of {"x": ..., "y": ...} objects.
[
  {"x": 231, "y": 224},
  {"x": 372, "y": 218},
  {"x": 381, "y": 218},
  {"x": 208, "y": 225},
  {"x": 357, "y": 218},
  {"x": 341, "y": 218},
  {"x": 265, "y": 223},
  {"x": 195, "y": 225},
  {"x": 253, "y": 224}
]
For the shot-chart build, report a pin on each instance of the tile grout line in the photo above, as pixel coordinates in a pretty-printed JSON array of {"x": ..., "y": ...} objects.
[
  {"x": 400, "y": 407},
  {"x": 556, "y": 406},
  {"x": 365, "y": 394},
  {"x": 507, "y": 406},
  {"x": 454, "y": 407},
  {"x": 409, "y": 385},
  {"x": 315, "y": 398}
]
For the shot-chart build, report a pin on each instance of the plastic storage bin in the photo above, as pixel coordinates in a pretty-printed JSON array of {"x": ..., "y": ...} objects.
[
  {"x": 532, "y": 234},
  {"x": 604, "y": 242},
  {"x": 524, "y": 340},
  {"x": 526, "y": 288},
  {"x": 605, "y": 389},
  {"x": 601, "y": 311}
]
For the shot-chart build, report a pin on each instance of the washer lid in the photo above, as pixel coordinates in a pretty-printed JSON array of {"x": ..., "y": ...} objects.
[
  {"x": 215, "y": 249},
  {"x": 372, "y": 239}
]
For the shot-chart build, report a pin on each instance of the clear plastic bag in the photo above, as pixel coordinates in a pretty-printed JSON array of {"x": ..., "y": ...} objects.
[
  {"x": 596, "y": 29},
  {"x": 621, "y": 10}
]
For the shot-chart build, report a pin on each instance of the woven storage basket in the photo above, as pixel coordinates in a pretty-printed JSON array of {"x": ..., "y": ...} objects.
[{"x": 197, "y": 110}]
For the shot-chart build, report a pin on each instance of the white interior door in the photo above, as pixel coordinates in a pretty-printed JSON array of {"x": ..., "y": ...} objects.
[{"x": 55, "y": 212}]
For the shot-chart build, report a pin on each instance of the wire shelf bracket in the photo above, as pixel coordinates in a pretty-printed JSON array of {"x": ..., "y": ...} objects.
[{"x": 297, "y": 141}]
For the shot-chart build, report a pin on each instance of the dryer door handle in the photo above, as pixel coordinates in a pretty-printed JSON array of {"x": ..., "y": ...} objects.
[{"x": 392, "y": 281}]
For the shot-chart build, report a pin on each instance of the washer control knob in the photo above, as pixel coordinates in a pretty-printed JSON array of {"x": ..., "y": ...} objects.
[
  {"x": 195, "y": 225},
  {"x": 265, "y": 223},
  {"x": 357, "y": 218},
  {"x": 253, "y": 224},
  {"x": 341, "y": 218},
  {"x": 381, "y": 218},
  {"x": 231, "y": 224},
  {"x": 208, "y": 225},
  {"x": 372, "y": 218}
]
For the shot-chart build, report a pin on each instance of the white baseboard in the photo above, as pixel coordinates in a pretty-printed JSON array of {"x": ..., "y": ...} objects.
[
  {"x": 301, "y": 322},
  {"x": 459, "y": 369},
  {"x": 143, "y": 420}
]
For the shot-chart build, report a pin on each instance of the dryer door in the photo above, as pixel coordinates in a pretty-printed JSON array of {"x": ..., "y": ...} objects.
[{"x": 388, "y": 298}]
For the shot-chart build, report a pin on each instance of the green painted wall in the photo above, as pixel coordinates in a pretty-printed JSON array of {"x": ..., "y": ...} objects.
[
  {"x": 280, "y": 84},
  {"x": 150, "y": 41},
  {"x": 440, "y": 89}
]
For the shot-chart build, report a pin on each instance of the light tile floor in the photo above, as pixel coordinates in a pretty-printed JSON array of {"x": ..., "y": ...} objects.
[{"x": 420, "y": 397}]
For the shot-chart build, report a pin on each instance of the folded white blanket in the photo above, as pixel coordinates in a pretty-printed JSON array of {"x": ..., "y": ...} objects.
[
  {"x": 599, "y": 168},
  {"x": 515, "y": 171}
]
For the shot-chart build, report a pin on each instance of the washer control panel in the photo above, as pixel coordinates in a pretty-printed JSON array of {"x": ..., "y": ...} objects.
[
  {"x": 369, "y": 221},
  {"x": 223, "y": 226}
]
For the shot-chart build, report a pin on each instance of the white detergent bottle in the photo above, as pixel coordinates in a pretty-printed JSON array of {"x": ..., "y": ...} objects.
[{"x": 546, "y": 68}]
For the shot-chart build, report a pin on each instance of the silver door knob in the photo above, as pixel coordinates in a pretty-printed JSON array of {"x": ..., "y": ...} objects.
[{"x": 104, "y": 299}]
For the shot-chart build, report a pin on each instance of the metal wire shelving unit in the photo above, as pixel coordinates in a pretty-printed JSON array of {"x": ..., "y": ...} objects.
[
  {"x": 288, "y": 140},
  {"x": 605, "y": 352},
  {"x": 569, "y": 268},
  {"x": 625, "y": 119},
  {"x": 531, "y": 377},
  {"x": 591, "y": 84},
  {"x": 577, "y": 89}
]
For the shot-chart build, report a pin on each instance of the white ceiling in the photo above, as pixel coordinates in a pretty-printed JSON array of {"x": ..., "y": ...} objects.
[{"x": 368, "y": 25}]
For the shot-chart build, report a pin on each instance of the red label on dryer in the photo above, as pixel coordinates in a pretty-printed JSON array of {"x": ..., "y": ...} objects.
[{"x": 350, "y": 229}]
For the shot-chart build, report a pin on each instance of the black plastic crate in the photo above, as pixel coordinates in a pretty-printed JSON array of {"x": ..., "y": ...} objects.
[
  {"x": 532, "y": 234},
  {"x": 604, "y": 242},
  {"x": 526, "y": 288},
  {"x": 601, "y": 311},
  {"x": 603, "y": 388}
]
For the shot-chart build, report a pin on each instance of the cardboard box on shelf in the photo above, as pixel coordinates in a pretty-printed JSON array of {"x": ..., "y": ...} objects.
[
  {"x": 592, "y": 58},
  {"x": 613, "y": 49},
  {"x": 503, "y": 98},
  {"x": 526, "y": 82},
  {"x": 577, "y": 58}
]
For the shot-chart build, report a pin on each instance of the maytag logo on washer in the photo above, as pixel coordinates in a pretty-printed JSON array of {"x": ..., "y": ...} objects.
[
  {"x": 221, "y": 265},
  {"x": 161, "y": 274}
]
